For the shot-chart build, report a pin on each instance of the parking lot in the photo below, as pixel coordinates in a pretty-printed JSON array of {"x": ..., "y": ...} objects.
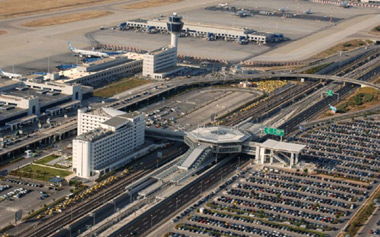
[
  {"x": 25, "y": 195},
  {"x": 194, "y": 108},
  {"x": 347, "y": 149},
  {"x": 270, "y": 201}
]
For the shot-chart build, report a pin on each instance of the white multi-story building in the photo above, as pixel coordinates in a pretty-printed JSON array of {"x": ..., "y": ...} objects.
[
  {"x": 90, "y": 120},
  {"x": 106, "y": 147},
  {"x": 160, "y": 63}
]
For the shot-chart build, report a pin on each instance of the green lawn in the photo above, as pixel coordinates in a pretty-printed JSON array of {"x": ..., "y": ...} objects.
[
  {"x": 46, "y": 159},
  {"x": 39, "y": 172},
  {"x": 316, "y": 69},
  {"x": 119, "y": 86}
]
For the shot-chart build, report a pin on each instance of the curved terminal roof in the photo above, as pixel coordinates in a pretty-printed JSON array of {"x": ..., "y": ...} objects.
[
  {"x": 218, "y": 135},
  {"x": 112, "y": 112}
]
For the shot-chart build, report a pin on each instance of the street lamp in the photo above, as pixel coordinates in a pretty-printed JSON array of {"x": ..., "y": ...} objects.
[
  {"x": 114, "y": 206},
  {"x": 151, "y": 221},
  {"x": 93, "y": 215},
  {"x": 130, "y": 194}
]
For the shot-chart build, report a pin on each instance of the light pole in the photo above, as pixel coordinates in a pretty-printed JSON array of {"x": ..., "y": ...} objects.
[
  {"x": 130, "y": 194},
  {"x": 93, "y": 215},
  {"x": 151, "y": 221},
  {"x": 114, "y": 206}
]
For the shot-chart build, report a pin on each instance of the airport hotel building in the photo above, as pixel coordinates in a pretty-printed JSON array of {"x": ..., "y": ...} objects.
[{"x": 105, "y": 139}]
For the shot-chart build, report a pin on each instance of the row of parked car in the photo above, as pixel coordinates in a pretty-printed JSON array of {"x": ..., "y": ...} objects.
[
  {"x": 24, "y": 183},
  {"x": 17, "y": 193},
  {"x": 347, "y": 149}
]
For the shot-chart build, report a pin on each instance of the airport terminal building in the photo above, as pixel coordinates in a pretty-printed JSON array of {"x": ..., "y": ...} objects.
[
  {"x": 225, "y": 140},
  {"x": 206, "y": 31},
  {"x": 106, "y": 138},
  {"x": 104, "y": 70},
  {"x": 23, "y": 101}
]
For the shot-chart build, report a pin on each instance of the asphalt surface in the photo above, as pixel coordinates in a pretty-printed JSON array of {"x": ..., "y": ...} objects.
[
  {"x": 167, "y": 207},
  {"x": 86, "y": 206},
  {"x": 371, "y": 224},
  {"x": 291, "y": 124}
]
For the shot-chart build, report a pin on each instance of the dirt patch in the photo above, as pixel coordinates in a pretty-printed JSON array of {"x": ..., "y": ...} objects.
[
  {"x": 2, "y": 32},
  {"x": 17, "y": 8},
  {"x": 150, "y": 3},
  {"x": 67, "y": 18},
  {"x": 346, "y": 46}
]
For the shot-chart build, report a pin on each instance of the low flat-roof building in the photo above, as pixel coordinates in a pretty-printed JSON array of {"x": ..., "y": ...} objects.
[
  {"x": 209, "y": 31},
  {"x": 25, "y": 98},
  {"x": 104, "y": 70}
]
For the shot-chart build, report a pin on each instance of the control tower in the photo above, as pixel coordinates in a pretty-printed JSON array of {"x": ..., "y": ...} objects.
[{"x": 175, "y": 26}]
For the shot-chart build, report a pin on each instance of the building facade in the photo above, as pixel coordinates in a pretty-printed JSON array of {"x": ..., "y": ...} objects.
[
  {"x": 158, "y": 60},
  {"x": 19, "y": 99},
  {"x": 102, "y": 71},
  {"x": 104, "y": 147},
  {"x": 89, "y": 120}
]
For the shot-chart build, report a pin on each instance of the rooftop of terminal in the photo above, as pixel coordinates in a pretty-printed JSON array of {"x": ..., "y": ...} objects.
[{"x": 218, "y": 135}]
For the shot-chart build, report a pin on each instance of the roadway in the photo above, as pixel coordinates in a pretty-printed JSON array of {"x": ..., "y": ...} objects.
[
  {"x": 291, "y": 124},
  {"x": 235, "y": 78},
  {"x": 170, "y": 85},
  {"x": 167, "y": 207}
]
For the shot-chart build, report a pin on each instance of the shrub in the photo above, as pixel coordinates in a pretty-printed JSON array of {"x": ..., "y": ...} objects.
[
  {"x": 342, "y": 108},
  {"x": 368, "y": 97},
  {"x": 347, "y": 45},
  {"x": 358, "y": 100}
]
